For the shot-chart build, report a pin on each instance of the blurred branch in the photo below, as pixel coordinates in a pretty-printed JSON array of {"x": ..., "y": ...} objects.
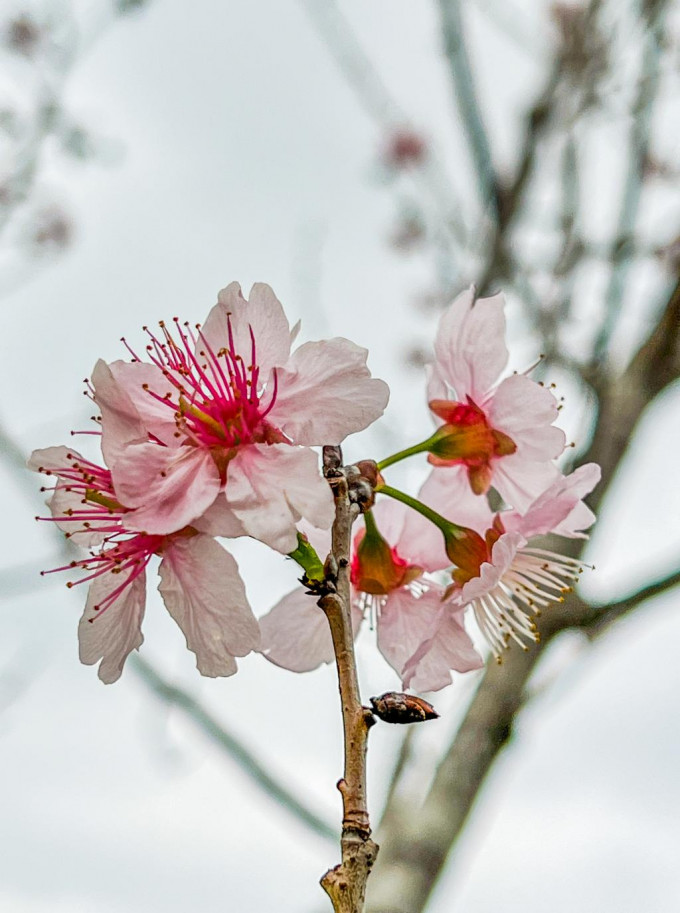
[
  {"x": 512, "y": 21},
  {"x": 415, "y": 842},
  {"x": 643, "y": 109},
  {"x": 371, "y": 91},
  {"x": 468, "y": 105},
  {"x": 249, "y": 764}
]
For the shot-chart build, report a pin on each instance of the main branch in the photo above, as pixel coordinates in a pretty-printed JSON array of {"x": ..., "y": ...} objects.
[{"x": 346, "y": 883}]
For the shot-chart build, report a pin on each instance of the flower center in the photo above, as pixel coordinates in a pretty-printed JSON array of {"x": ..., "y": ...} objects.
[
  {"x": 377, "y": 568},
  {"x": 467, "y": 439},
  {"x": 219, "y": 402}
]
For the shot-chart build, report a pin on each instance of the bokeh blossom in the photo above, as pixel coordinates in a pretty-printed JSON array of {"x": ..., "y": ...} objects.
[
  {"x": 200, "y": 583},
  {"x": 215, "y": 428},
  {"x": 393, "y": 587}
]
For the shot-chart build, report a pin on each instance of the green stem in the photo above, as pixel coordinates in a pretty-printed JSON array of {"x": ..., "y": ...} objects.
[
  {"x": 446, "y": 526},
  {"x": 423, "y": 447},
  {"x": 371, "y": 525}
]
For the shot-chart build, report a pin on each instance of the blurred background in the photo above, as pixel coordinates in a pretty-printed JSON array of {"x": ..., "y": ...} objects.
[{"x": 368, "y": 160}]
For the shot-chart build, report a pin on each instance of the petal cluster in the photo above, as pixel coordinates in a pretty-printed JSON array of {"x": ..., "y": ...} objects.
[
  {"x": 207, "y": 433},
  {"x": 390, "y": 588},
  {"x": 200, "y": 582}
]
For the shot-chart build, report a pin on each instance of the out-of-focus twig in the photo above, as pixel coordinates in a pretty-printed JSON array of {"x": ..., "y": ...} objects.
[
  {"x": 467, "y": 103},
  {"x": 643, "y": 109},
  {"x": 361, "y": 74},
  {"x": 252, "y": 767}
]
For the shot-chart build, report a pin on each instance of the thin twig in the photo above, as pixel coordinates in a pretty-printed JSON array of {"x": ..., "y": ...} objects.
[
  {"x": 254, "y": 768},
  {"x": 468, "y": 105},
  {"x": 369, "y": 88},
  {"x": 643, "y": 109}
]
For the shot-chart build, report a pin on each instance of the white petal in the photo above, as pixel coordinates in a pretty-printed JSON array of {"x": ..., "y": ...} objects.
[
  {"x": 203, "y": 591},
  {"x": 114, "y": 632}
]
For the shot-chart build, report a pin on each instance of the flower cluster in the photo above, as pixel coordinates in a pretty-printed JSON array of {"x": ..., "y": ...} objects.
[
  {"x": 208, "y": 433},
  {"x": 491, "y": 434}
]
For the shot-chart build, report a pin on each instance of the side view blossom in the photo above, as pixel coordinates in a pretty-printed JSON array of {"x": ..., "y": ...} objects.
[
  {"x": 392, "y": 586},
  {"x": 504, "y": 578},
  {"x": 215, "y": 428},
  {"x": 200, "y": 583},
  {"x": 492, "y": 433}
]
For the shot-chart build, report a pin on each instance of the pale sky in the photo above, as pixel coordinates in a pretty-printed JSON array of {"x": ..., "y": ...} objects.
[{"x": 244, "y": 155}]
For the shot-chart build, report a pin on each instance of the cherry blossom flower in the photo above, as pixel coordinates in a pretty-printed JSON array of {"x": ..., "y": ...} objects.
[
  {"x": 499, "y": 434},
  {"x": 200, "y": 583},
  {"x": 393, "y": 586},
  {"x": 215, "y": 430},
  {"x": 505, "y": 579}
]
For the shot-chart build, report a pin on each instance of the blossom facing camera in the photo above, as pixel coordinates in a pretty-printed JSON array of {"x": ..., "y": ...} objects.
[
  {"x": 492, "y": 433},
  {"x": 200, "y": 583},
  {"x": 215, "y": 428}
]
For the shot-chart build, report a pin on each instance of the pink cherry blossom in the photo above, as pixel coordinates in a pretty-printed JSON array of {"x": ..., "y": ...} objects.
[
  {"x": 215, "y": 428},
  {"x": 200, "y": 582},
  {"x": 397, "y": 595},
  {"x": 512, "y": 581},
  {"x": 495, "y": 434}
]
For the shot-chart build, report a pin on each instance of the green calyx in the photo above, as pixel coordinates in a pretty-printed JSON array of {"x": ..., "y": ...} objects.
[{"x": 305, "y": 555}]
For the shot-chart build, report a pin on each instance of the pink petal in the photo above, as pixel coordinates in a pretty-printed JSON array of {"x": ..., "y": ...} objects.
[
  {"x": 295, "y": 634},
  {"x": 271, "y": 487},
  {"x": 447, "y": 490},
  {"x": 437, "y": 388},
  {"x": 521, "y": 481},
  {"x": 169, "y": 487},
  {"x": 325, "y": 392},
  {"x": 502, "y": 556},
  {"x": 113, "y": 633},
  {"x": 262, "y": 313},
  {"x": 139, "y": 381},
  {"x": 62, "y": 499},
  {"x": 449, "y": 647},
  {"x": 220, "y": 520},
  {"x": 559, "y": 509},
  {"x": 470, "y": 345},
  {"x": 121, "y": 422},
  {"x": 525, "y": 411},
  {"x": 422, "y": 639},
  {"x": 404, "y": 622},
  {"x": 203, "y": 591}
]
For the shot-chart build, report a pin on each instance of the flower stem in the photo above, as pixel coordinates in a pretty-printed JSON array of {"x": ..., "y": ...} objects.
[
  {"x": 446, "y": 526},
  {"x": 423, "y": 447},
  {"x": 346, "y": 883}
]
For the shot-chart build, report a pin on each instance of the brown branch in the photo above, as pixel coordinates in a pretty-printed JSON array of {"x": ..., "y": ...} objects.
[{"x": 346, "y": 883}]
